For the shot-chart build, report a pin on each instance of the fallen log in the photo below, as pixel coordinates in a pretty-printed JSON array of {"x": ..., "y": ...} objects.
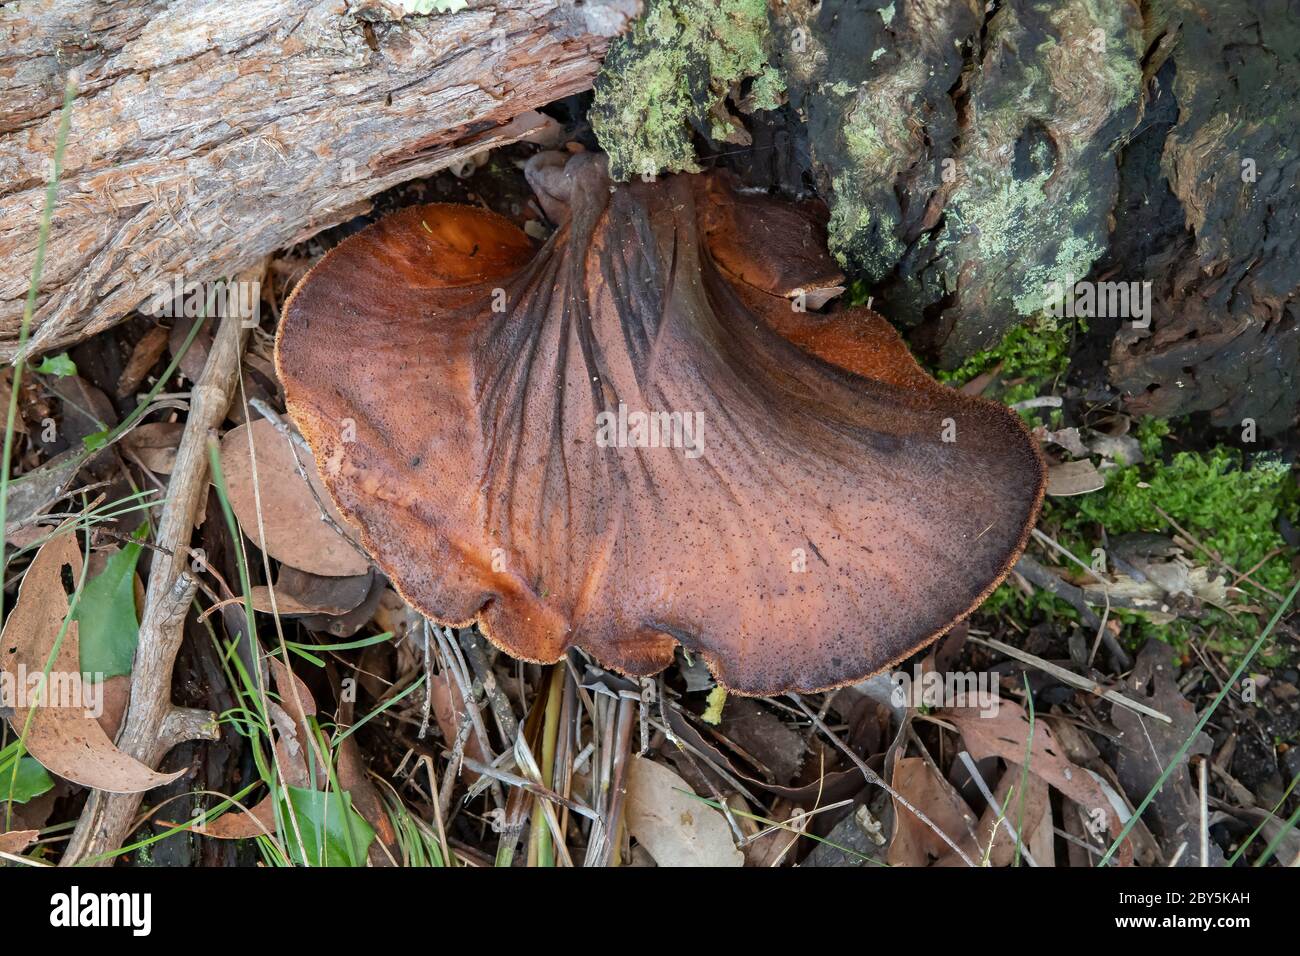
[{"x": 206, "y": 135}]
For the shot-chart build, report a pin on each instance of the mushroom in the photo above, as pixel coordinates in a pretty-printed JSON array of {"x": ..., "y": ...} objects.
[{"x": 632, "y": 438}]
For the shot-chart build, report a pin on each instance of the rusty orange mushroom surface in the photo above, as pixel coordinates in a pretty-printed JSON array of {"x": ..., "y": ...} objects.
[{"x": 630, "y": 437}]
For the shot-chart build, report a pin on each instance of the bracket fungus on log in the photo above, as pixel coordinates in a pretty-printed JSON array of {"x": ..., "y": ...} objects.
[{"x": 631, "y": 438}]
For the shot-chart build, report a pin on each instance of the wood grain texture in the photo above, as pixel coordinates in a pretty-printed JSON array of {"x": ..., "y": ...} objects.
[{"x": 206, "y": 135}]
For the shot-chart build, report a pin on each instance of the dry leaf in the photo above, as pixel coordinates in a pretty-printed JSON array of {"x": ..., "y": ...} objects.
[
  {"x": 291, "y": 516},
  {"x": 1006, "y": 735},
  {"x": 65, "y": 739},
  {"x": 1074, "y": 478},
  {"x": 144, "y": 356},
  {"x": 675, "y": 827},
  {"x": 914, "y": 842},
  {"x": 155, "y": 445},
  {"x": 15, "y": 841},
  {"x": 297, "y": 593},
  {"x": 1146, "y": 747}
]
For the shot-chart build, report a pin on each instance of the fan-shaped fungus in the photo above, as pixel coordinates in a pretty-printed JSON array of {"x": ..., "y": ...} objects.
[{"x": 632, "y": 438}]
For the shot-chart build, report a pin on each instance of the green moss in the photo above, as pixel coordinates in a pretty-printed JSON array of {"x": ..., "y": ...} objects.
[
  {"x": 1230, "y": 509},
  {"x": 1036, "y": 353},
  {"x": 669, "y": 72},
  {"x": 1227, "y": 507}
]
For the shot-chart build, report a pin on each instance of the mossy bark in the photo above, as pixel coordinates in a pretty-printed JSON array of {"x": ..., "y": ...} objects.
[{"x": 978, "y": 157}]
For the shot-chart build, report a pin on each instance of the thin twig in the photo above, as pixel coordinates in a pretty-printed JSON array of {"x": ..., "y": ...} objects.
[
  {"x": 873, "y": 778},
  {"x": 106, "y": 819},
  {"x": 1069, "y": 677}
]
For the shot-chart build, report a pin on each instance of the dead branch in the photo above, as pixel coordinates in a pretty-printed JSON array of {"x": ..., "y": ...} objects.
[{"x": 153, "y": 723}]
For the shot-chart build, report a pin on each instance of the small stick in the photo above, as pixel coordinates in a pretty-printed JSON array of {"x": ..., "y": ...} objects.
[
  {"x": 874, "y": 779},
  {"x": 1070, "y": 677},
  {"x": 148, "y": 731},
  {"x": 473, "y": 646},
  {"x": 992, "y": 801},
  {"x": 1205, "y": 813}
]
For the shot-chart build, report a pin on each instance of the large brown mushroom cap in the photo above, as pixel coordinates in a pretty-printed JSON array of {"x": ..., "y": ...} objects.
[{"x": 449, "y": 379}]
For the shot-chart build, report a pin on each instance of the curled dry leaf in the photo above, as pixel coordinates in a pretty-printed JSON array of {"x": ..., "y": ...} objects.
[
  {"x": 1005, "y": 734},
  {"x": 298, "y": 593},
  {"x": 346, "y": 625},
  {"x": 67, "y": 740},
  {"x": 155, "y": 444},
  {"x": 631, "y": 438},
  {"x": 1074, "y": 478},
  {"x": 295, "y": 532},
  {"x": 676, "y": 828},
  {"x": 15, "y": 841}
]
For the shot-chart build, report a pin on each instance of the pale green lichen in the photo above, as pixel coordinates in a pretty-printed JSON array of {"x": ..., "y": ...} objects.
[
  {"x": 1044, "y": 226},
  {"x": 880, "y": 135},
  {"x": 670, "y": 72}
]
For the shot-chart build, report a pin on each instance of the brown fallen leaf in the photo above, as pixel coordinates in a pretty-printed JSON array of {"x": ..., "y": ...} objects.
[
  {"x": 295, "y": 532},
  {"x": 1146, "y": 748},
  {"x": 297, "y": 593},
  {"x": 347, "y": 625},
  {"x": 155, "y": 443},
  {"x": 15, "y": 841},
  {"x": 115, "y": 695},
  {"x": 196, "y": 356},
  {"x": 144, "y": 356},
  {"x": 242, "y": 824},
  {"x": 675, "y": 827},
  {"x": 65, "y": 739},
  {"x": 1005, "y": 734},
  {"x": 914, "y": 843}
]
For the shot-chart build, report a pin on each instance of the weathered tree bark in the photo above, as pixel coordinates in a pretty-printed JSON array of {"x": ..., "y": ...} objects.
[
  {"x": 975, "y": 155},
  {"x": 205, "y": 135}
]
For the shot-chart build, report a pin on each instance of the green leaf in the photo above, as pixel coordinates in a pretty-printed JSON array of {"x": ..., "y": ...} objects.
[
  {"x": 106, "y": 619},
  {"x": 59, "y": 365},
  {"x": 333, "y": 834},
  {"x": 32, "y": 780},
  {"x": 96, "y": 440}
]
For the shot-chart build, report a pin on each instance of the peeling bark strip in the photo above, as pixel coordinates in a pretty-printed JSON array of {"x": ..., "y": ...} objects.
[{"x": 206, "y": 135}]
